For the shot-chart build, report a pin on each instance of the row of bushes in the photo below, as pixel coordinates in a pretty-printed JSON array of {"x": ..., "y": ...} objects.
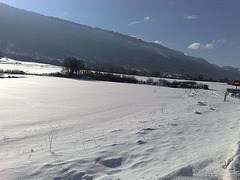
[
  {"x": 110, "y": 77},
  {"x": 96, "y": 75},
  {"x": 176, "y": 84},
  {"x": 2, "y": 76},
  {"x": 10, "y": 71}
]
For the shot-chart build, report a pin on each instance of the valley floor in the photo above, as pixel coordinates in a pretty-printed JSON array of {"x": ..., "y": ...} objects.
[{"x": 57, "y": 128}]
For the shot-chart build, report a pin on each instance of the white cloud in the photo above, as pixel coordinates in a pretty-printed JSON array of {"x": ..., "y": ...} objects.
[
  {"x": 211, "y": 45},
  {"x": 195, "y": 46},
  {"x": 145, "y": 19},
  {"x": 214, "y": 43},
  {"x": 191, "y": 17},
  {"x": 158, "y": 42}
]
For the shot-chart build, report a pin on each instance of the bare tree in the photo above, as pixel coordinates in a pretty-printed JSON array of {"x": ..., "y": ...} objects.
[{"x": 72, "y": 65}]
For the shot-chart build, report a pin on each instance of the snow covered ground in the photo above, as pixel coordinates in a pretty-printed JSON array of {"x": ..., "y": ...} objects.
[
  {"x": 28, "y": 67},
  {"x": 58, "y": 128}
]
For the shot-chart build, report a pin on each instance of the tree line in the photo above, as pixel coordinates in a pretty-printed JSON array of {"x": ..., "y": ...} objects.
[{"x": 73, "y": 67}]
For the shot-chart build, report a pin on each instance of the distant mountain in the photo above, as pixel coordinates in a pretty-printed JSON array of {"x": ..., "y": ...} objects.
[
  {"x": 28, "y": 35},
  {"x": 231, "y": 69}
]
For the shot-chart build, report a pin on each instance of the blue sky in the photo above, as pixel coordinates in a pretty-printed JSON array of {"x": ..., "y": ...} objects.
[{"x": 202, "y": 28}]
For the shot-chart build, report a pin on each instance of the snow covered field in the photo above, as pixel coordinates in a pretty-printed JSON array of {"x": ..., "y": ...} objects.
[
  {"x": 58, "y": 128},
  {"x": 28, "y": 67}
]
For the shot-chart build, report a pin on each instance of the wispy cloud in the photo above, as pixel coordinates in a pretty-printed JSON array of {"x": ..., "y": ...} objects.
[
  {"x": 163, "y": 43},
  {"x": 145, "y": 19},
  {"x": 220, "y": 41},
  {"x": 191, "y": 17},
  {"x": 214, "y": 43}
]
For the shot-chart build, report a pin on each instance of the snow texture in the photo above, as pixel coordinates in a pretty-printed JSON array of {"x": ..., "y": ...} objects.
[{"x": 58, "y": 128}]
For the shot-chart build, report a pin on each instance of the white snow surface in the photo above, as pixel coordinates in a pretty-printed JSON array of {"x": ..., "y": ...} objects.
[
  {"x": 58, "y": 128},
  {"x": 28, "y": 67}
]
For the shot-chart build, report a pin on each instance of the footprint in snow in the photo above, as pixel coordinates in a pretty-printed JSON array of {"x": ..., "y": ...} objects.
[
  {"x": 201, "y": 104},
  {"x": 149, "y": 129},
  {"x": 146, "y": 130},
  {"x": 112, "y": 163},
  {"x": 198, "y": 130},
  {"x": 141, "y": 142},
  {"x": 196, "y": 112},
  {"x": 172, "y": 124}
]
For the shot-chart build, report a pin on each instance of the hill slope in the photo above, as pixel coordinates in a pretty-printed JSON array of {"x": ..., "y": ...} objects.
[{"x": 28, "y": 35}]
